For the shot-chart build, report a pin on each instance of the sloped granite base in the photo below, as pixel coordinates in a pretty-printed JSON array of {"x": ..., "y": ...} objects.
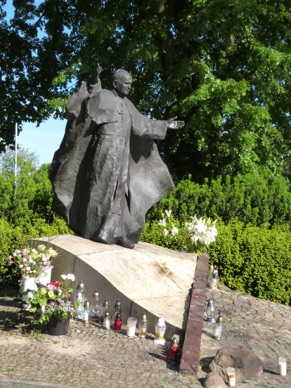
[{"x": 147, "y": 279}]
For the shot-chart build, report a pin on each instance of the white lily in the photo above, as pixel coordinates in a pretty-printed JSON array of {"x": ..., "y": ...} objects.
[{"x": 168, "y": 212}]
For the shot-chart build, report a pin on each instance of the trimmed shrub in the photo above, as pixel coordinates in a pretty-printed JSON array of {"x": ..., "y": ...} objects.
[
  {"x": 255, "y": 260},
  {"x": 251, "y": 198}
]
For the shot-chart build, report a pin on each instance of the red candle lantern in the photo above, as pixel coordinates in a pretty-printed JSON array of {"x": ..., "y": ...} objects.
[
  {"x": 173, "y": 351},
  {"x": 117, "y": 322}
]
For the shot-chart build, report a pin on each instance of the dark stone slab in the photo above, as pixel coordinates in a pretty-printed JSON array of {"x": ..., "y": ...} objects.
[{"x": 193, "y": 332}]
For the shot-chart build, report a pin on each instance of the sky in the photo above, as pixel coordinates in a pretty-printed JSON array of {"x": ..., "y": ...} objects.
[{"x": 44, "y": 140}]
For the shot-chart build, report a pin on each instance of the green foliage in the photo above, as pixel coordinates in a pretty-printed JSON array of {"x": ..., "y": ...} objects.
[
  {"x": 25, "y": 209},
  {"x": 252, "y": 198},
  {"x": 255, "y": 260},
  {"x": 193, "y": 235},
  {"x": 253, "y": 249},
  {"x": 153, "y": 234},
  {"x": 223, "y": 67}
]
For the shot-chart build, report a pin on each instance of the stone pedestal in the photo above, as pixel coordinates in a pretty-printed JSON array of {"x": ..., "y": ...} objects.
[{"x": 147, "y": 279}]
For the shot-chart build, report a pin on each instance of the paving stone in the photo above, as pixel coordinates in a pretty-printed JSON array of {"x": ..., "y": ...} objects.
[{"x": 90, "y": 356}]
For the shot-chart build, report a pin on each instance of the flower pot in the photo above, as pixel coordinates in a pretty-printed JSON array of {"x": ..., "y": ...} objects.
[
  {"x": 28, "y": 286},
  {"x": 45, "y": 276},
  {"x": 55, "y": 327}
]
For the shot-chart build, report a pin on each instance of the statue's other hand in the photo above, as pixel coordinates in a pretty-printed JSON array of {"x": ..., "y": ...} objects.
[{"x": 174, "y": 124}]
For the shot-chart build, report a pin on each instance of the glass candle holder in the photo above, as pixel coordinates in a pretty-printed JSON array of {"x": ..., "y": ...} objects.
[
  {"x": 231, "y": 376},
  {"x": 283, "y": 366},
  {"x": 106, "y": 321},
  {"x": 173, "y": 351},
  {"x": 81, "y": 291},
  {"x": 160, "y": 329},
  {"x": 218, "y": 328},
  {"x": 118, "y": 322},
  {"x": 131, "y": 326},
  {"x": 210, "y": 272},
  {"x": 117, "y": 310},
  {"x": 95, "y": 309},
  {"x": 210, "y": 311},
  {"x": 143, "y": 326},
  {"x": 213, "y": 284},
  {"x": 86, "y": 312}
]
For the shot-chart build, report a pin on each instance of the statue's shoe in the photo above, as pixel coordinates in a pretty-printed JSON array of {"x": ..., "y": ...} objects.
[{"x": 125, "y": 243}]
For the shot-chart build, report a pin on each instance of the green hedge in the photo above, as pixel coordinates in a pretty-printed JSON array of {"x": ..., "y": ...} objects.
[
  {"x": 256, "y": 260},
  {"x": 251, "y": 198},
  {"x": 253, "y": 248}
]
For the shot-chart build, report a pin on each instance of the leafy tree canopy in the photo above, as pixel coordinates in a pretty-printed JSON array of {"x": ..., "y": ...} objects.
[{"x": 223, "y": 67}]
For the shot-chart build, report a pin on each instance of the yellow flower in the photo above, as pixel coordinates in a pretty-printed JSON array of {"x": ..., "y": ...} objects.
[
  {"x": 50, "y": 294},
  {"x": 43, "y": 291}
]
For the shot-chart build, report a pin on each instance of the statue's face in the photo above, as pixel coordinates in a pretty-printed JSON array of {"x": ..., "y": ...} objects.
[{"x": 123, "y": 84}]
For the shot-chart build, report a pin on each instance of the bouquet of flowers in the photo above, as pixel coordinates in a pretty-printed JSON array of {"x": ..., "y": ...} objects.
[
  {"x": 31, "y": 262},
  {"x": 196, "y": 233},
  {"x": 53, "y": 300}
]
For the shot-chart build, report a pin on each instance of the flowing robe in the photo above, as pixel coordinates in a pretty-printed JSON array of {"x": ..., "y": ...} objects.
[{"x": 107, "y": 172}]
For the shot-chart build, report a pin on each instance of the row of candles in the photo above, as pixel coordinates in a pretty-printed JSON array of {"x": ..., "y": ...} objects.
[
  {"x": 213, "y": 280},
  {"x": 101, "y": 314}
]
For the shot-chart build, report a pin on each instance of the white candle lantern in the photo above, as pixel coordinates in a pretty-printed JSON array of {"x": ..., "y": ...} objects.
[
  {"x": 160, "y": 329},
  {"x": 283, "y": 366},
  {"x": 131, "y": 326},
  {"x": 231, "y": 377}
]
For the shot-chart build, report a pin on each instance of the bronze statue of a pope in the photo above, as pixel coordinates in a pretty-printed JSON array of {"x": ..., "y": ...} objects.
[{"x": 107, "y": 172}]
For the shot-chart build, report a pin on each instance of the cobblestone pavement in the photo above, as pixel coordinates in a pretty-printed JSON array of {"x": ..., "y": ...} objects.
[
  {"x": 253, "y": 324},
  {"x": 90, "y": 356}
]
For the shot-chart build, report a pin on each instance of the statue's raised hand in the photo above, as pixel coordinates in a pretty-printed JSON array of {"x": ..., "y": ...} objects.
[
  {"x": 98, "y": 69},
  {"x": 96, "y": 73}
]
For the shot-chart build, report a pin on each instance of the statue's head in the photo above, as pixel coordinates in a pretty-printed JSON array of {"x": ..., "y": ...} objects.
[{"x": 122, "y": 80}]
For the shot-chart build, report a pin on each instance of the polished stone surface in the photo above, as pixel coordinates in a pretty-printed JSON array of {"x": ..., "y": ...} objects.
[{"x": 147, "y": 279}]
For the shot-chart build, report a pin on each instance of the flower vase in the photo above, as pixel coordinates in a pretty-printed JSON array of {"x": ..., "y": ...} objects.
[
  {"x": 28, "y": 286},
  {"x": 57, "y": 327},
  {"x": 45, "y": 276}
]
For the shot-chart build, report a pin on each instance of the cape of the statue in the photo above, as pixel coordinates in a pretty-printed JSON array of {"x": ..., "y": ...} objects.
[{"x": 93, "y": 159}]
